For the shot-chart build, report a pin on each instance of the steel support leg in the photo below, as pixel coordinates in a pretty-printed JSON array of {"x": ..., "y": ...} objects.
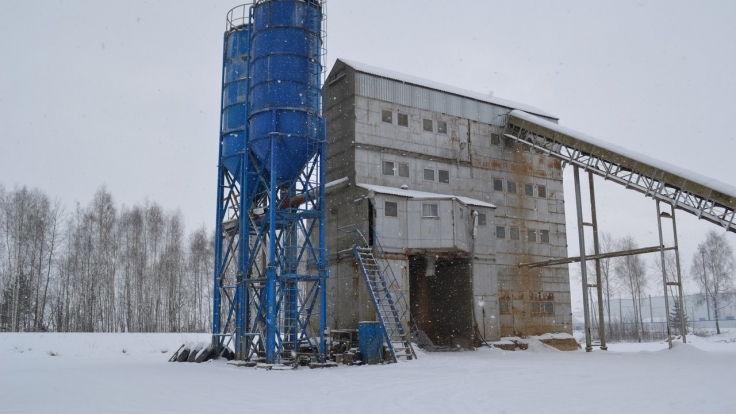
[
  {"x": 664, "y": 277},
  {"x": 683, "y": 327},
  {"x": 216, "y": 299},
  {"x": 241, "y": 292},
  {"x": 271, "y": 311},
  {"x": 596, "y": 250},
  {"x": 583, "y": 265}
]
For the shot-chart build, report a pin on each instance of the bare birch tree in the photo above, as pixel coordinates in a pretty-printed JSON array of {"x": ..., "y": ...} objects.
[
  {"x": 631, "y": 272},
  {"x": 101, "y": 268},
  {"x": 713, "y": 269}
]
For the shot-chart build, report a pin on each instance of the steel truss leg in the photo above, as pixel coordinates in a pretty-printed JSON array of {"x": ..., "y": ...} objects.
[
  {"x": 598, "y": 279},
  {"x": 664, "y": 277},
  {"x": 583, "y": 265},
  {"x": 683, "y": 327}
]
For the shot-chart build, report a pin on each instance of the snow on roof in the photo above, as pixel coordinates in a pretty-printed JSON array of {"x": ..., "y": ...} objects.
[
  {"x": 385, "y": 73},
  {"x": 423, "y": 195},
  {"x": 638, "y": 157}
]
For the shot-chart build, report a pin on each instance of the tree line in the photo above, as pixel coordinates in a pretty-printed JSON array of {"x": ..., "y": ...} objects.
[
  {"x": 713, "y": 268},
  {"x": 101, "y": 267}
]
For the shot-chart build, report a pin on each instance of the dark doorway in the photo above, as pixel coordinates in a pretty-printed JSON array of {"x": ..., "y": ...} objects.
[
  {"x": 442, "y": 304},
  {"x": 371, "y": 223}
]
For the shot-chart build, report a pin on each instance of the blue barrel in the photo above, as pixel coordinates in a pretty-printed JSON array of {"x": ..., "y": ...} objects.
[
  {"x": 234, "y": 94},
  {"x": 370, "y": 342},
  {"x": 285, "y": 89}
]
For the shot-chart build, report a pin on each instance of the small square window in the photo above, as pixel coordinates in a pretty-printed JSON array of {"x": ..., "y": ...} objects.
[
  {"x": 428, "y": 174},
  {"x": 526, "y": 148},
  {"x": 508, "y": 143},
  {"x": 429, "y": 210},
  {"x": 503, "y": 306},
  {"x": 549, "y": 307},
  {"x": 529, "y": 190},
  {"x": 511, "y": 187},
  {"x": 536, "y": 307},
  {"x": 544, "y": 236},
  {"x": 388, "y": 168},
  {"x": 427, "y": 125},
  {"x": 495, "y": 139},
  {"x": 482, "y": 220},
  {"x": 514, "y": 233},
  {"x": 441, "y": 127},
  {"x": 403, "y": 170},
  {"x": 443, "y": 176},
  {"x": 387, "y": 116},
  {"x": 391, "y": 209},
  {"x": 531, "y": 235},
  {"x": 497, "y": 184},
  {"x": 500, "y": 232},
  {"x": 542, "y": 191},
  {"x": 403, "y": 120}
]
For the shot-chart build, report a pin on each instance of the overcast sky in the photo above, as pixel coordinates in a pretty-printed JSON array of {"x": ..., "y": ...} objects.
[{"x": 126, "y": 93}]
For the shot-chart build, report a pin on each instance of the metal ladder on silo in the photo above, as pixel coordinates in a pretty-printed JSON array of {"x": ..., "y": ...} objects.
[{"x": 392, "y": 308}]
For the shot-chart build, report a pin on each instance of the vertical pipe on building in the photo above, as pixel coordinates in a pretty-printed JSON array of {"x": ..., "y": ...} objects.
[
  {"x": 596, "y": 251},
  {"x": 683, "y": 328},
  {"x": 583, "y": 268},
  {"x": 472, "y": 279},
  {"x": 664, "y": 277}
]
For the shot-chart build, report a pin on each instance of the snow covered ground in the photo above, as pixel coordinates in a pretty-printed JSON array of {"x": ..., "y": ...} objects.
[{"x": 129, "y": 373}]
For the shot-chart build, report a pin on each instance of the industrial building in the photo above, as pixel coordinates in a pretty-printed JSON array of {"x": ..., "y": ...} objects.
[
  {"x": 396, "y": 205},
  {"x": 453, "y": 205}
]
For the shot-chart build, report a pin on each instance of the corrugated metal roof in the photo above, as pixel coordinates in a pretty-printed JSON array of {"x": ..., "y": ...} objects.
[
  {"x": 423, "y": 195},
  {"x": 403, "y": 89}
]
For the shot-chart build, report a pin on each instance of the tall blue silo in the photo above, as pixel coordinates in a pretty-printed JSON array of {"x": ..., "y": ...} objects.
[
  {"x": 270, "y": 257},
  {"x": 286, "y": 90},
  {"x": 235, "y": 176},
  {"x": 234, "y": 95}
]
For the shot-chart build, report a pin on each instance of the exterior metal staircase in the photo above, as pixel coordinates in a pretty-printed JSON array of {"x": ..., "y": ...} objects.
[{"x": 392, "y": 307}]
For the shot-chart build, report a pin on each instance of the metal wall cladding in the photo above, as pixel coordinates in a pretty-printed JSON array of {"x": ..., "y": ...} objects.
[
  {"x": 285, "y": 88},
  {"x": 428, "y": 99}
]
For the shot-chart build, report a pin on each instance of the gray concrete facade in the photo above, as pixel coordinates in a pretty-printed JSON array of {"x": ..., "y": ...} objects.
[{"x": 385, "y": 144}]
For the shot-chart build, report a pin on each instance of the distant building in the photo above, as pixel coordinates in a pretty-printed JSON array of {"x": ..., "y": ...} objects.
[
  {"x": 699, "y": 312},
  {"x": 428, "y": 166}
]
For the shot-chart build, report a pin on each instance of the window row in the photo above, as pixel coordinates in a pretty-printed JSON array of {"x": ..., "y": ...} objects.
[
  {"x": 390, "y": 167},
  {"x": 509, "y": 143},
  {"x": 429, "y": 210},
  {"x": 403, "y": 120},
  {"x": 511, "y": 188},
  {"x": 482, "y": 218},
  {"x": 515, "y": 234},
  {"x": 546, "y": 307}
]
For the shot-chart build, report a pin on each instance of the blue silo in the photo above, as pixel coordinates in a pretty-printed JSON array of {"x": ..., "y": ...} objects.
[
  {"x": 234, "y": 96},
  {"x": 270, "y": 258},
  {"x": 285, "y": 90}
]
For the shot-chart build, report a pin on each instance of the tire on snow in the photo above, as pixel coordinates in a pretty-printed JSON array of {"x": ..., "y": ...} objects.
[
  {"x": 193, "y": 352},
  {"x": 204, "y": 354}
]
